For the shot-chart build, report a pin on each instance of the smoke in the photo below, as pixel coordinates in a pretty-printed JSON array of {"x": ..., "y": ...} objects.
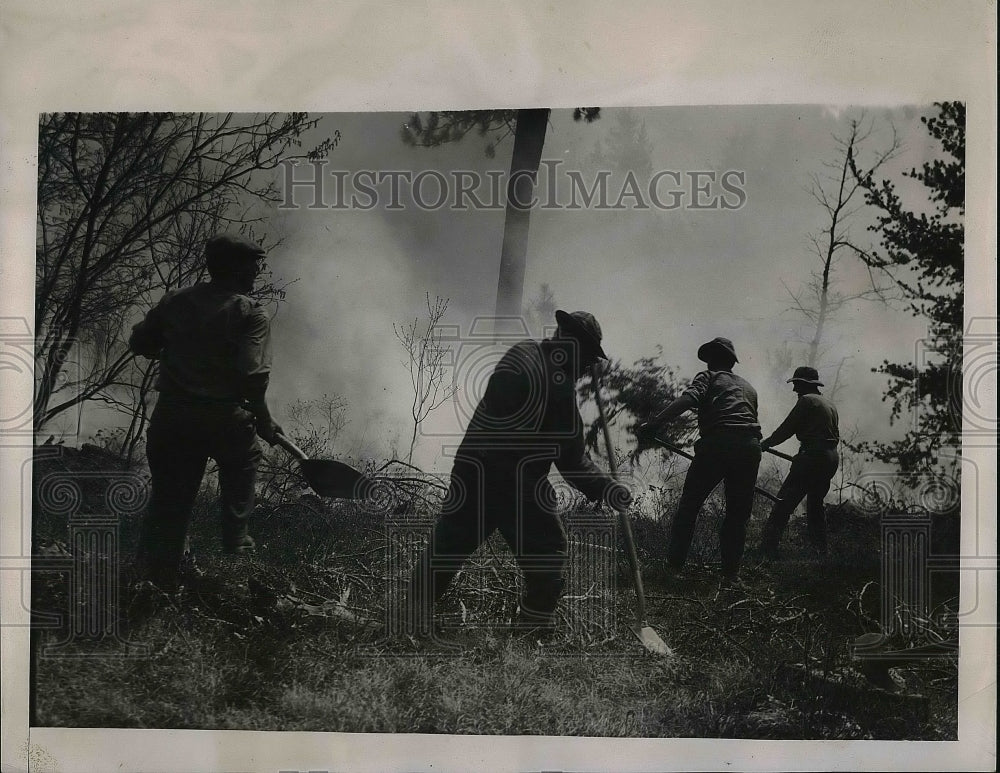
[
  {"x": 652, "y": 277},
  {"x": 679, "y": 278},
  {"x": 334, "y": 334}
]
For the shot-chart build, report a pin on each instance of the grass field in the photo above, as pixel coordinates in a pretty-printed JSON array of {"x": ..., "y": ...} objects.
[{"x": 292, "y": 638}]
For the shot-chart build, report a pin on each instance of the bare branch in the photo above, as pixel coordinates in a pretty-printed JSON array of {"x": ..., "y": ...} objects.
[
  {"x": 126, "y": 202},
  {"x": 426, "y": 361}
]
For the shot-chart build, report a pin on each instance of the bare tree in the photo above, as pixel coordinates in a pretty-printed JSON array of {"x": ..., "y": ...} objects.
[
  {"x": 125, "y": 203},
  {"x": 840, "y": 196},
  {"x": 427, "y": 363}
]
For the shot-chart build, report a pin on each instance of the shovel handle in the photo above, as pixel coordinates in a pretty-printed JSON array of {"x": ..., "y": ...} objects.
[
  {"x": 633, "y": 556},
  {"x": 595, "y": 375},
  {"x": 681, "y": 452},
  {"x": 288, "y": 445},
  {"x": 780, "y": 455}
]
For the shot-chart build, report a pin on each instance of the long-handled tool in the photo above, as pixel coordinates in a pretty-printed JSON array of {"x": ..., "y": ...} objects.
[
  {"x": 650, "y": 639},
  {"x": 780, "y": 454},
  {"x": 681, "y": 452},
  {"x": 329, "y": 478}
]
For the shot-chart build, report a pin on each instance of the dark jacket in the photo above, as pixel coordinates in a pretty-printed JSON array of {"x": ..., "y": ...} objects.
[
  {"x": 528, "y": 419},
  {"x": 211, "y": 341},
  {"x": 813, "y": 420}
]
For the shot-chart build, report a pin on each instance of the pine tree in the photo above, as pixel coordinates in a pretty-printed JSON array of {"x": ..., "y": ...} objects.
[
  {"x": 528, "y": 128},
  {"x": 923, "y": 252}
]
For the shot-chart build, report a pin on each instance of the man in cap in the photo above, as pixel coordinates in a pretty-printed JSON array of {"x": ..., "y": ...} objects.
[
  {"x": 213, "y": 346},
  {"x": 526, "y": 421},
  {"x": 728, "y": 448},
  {"x": 814, "y": 421}
]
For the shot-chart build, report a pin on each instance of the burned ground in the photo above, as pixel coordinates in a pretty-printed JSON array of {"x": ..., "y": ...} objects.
[{"x": 293, "y": 637}]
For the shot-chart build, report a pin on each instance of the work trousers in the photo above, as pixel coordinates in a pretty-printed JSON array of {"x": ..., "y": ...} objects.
[
  {"x": 484, "y": 498},
  {"x": 183, "y": 434},
  {"x": 809, "y": 477},
  {"x": 733, "y": 458}
]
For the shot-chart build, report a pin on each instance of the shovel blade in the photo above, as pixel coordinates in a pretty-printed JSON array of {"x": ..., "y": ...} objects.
[
  {"x": 651, "y": 640},
  {"x": 330, "y": 478}
]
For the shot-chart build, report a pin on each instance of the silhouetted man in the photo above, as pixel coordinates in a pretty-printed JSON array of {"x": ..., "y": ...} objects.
[
  {"x": 213, "y": 344},
  {"x": 815, "y": 423},
  {"x": 526, "y": 421},
  {"x": 728, "y": 449}
]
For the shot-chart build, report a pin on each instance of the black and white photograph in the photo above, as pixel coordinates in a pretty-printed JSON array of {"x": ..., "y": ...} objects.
[{"x": 402, "y": 433}]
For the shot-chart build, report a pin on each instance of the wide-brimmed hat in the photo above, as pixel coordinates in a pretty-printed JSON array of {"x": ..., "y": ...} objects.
[
  {"x": 715, "y": 346},
  {"x": 583, "y": 326},
  {"x": 805, "y": 375}
]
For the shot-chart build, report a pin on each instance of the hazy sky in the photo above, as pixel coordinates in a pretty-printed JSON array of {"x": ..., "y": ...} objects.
[{"x": 652, "y": 277}]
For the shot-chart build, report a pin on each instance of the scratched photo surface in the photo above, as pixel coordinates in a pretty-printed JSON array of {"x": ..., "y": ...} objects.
[{"x": 350, "y": 467}]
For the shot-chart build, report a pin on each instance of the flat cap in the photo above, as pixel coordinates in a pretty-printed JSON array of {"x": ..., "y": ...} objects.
[{"x": 232, "y": 246}]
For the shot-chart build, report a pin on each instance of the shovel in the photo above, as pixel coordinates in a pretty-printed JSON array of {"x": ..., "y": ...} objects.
[
  {"x": 329, "y": 478},
  {"x": 650, "y": 639},
  {"x": 686, "y": 455}
]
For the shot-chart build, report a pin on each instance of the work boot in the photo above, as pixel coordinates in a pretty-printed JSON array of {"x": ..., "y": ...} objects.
[
  {"x": 244, "y": 544},
  {"x": 162, "y": 574}
]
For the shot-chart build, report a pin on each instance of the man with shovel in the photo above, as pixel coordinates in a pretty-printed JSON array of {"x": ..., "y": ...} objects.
[
  {"x": 213, "y": 344},
  {"x": 815, "y": 423},
  {"x": 526, "y": 421},
  {"x": 728, "y": 449}
]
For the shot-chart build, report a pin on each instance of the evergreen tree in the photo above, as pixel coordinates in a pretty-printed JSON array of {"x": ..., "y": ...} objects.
[{"x": 923, "y": 252}]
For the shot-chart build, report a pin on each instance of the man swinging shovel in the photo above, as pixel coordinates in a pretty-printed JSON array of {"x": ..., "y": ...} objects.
[
  {"x": 728, "y": 449},
  {"x": 213, "y": 345},
  {"x": 212, "y": 341}
]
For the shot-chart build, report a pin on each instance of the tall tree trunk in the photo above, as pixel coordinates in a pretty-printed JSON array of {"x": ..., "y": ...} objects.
[
  {"x": 529, "y": 137},
  {"x": 813, "y": 361},
  {"x": 833, "y": 243}
]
